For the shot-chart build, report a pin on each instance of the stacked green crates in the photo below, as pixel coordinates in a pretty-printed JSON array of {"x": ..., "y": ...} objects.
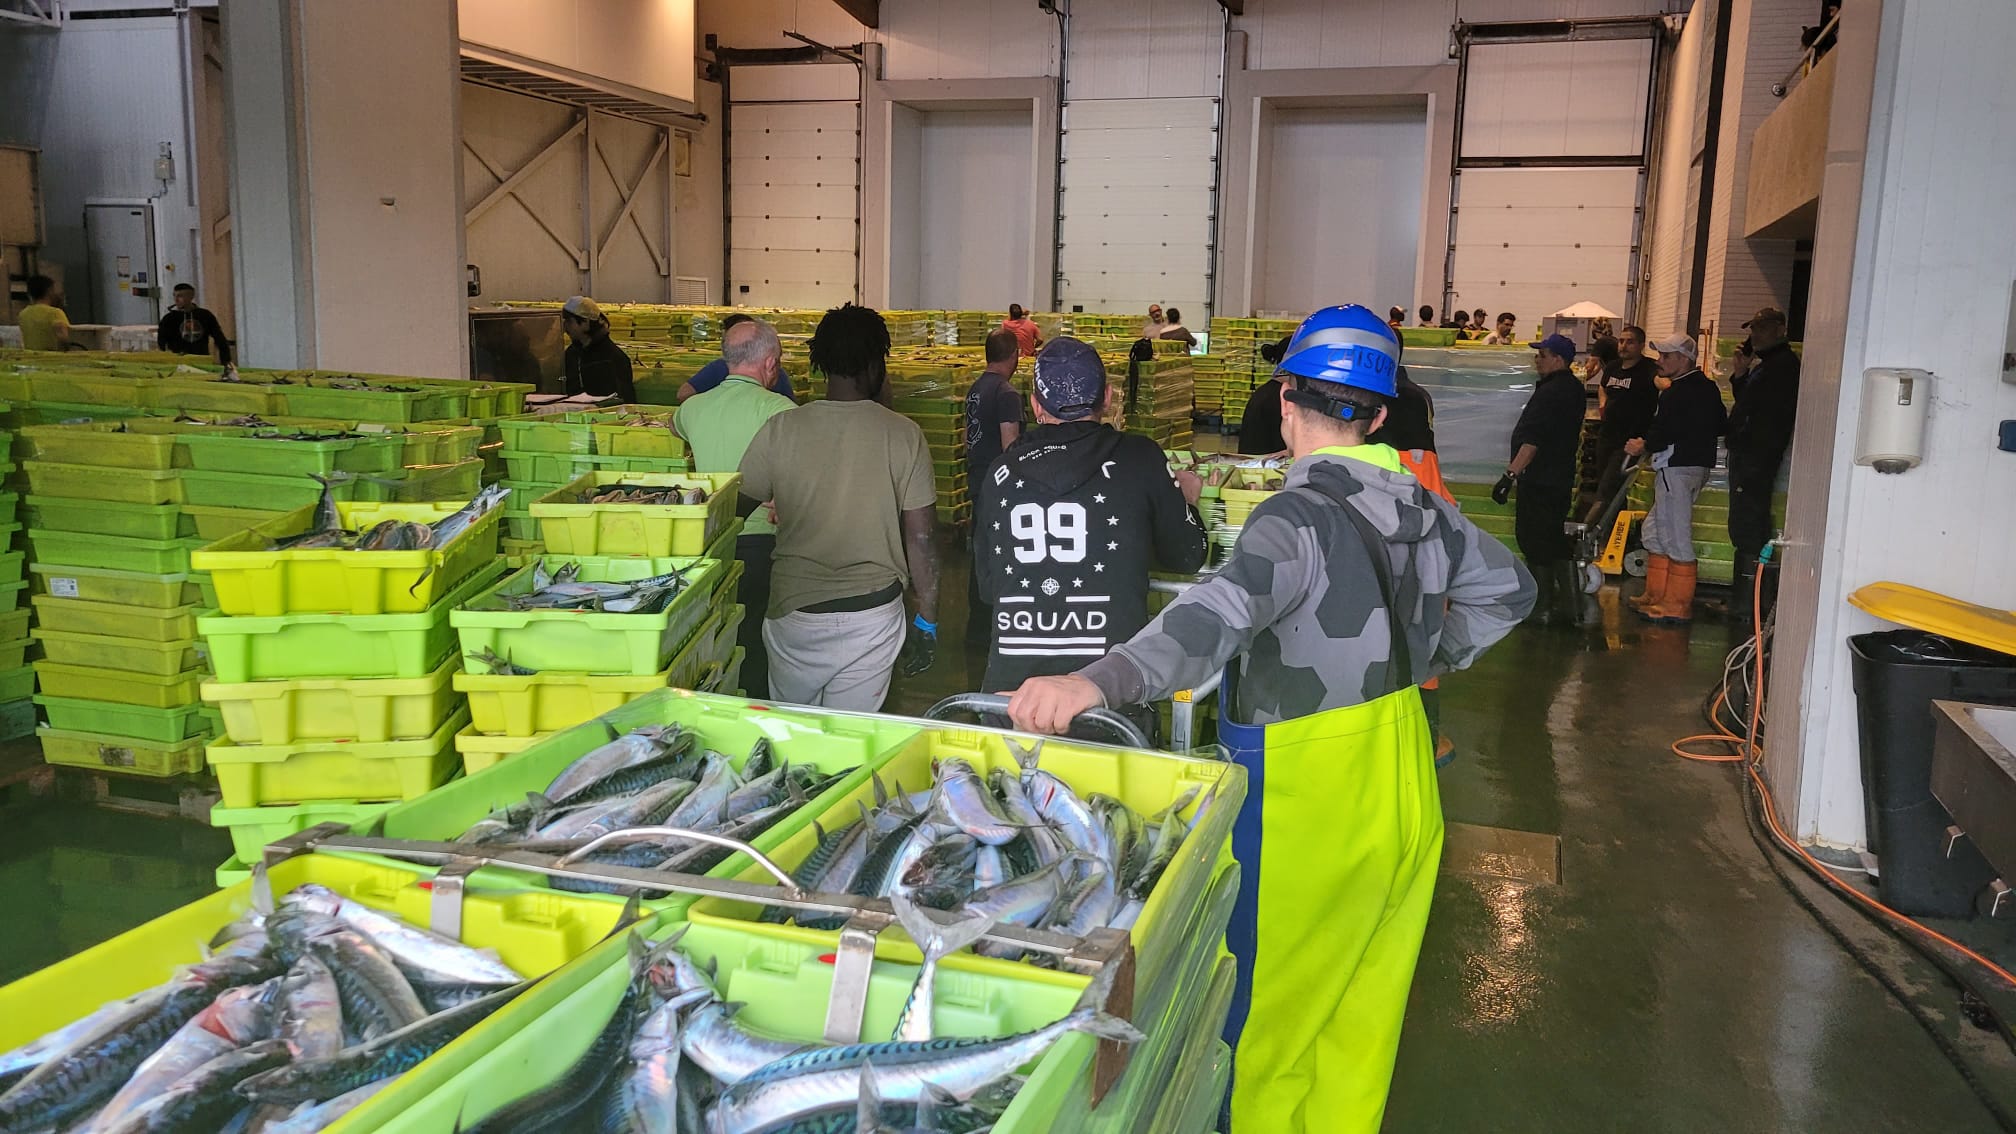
[
  {"x": 584, "y": 663},
  {"x": 17, "y": 678},
  {"x": 542, "y": 452},
  {"x": 115, "y": 602},
  {"x": 333, "y": 669}
]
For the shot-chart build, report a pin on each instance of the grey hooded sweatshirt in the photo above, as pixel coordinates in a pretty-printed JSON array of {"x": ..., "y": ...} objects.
[{"x": 1301, "y": 601}]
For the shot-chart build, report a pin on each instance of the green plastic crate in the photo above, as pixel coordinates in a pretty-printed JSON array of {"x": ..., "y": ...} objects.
[
  {"x": 533, "y": 937},
  {"x": 551, "y": 432},
  {"x": 14, "y": 627},
  {"x": 252, "y": 828},
  {"x": 165, "y": 726},
  {"x": 375, "y": 403},
  {"x": 586, "y": 641},
  {"x": 12, "y": 565},
  {"x": 426, "y": 483},
  {"x": 109, "y": 518},
  {"x": 830, "y": 742},
  {"x": 252, "y": 577},
  {"x": 213, "y": 522},
  {"x": 563, "y": 467},
  {"x": 1146, "y": 781},
  {"x": 82, "y": 616},
  {"x": 783, "y": 992},
  {"x": 17, "y": 684},
  {"x": 219, "y": 396},
  {"x": 275, "y": 453},
  {"x": 127, "y": 754},
  {"x": 113, "y": 553},
  {"x": 90, "y": 482},
  {"x": 286, "y": 646},
  {"x": 134, "y": 588},
  {"x": 134, "y": 444},
  {"x": 136, "y": 655},
  {"x": 126, "y": 687},
  {"x": 213, "y": 489},
  {"x": 570, "y": 526},
  {"x": 253, "y": 775}
]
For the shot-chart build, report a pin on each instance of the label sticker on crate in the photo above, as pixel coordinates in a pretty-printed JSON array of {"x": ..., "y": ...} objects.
[
  {"x": 115, "y": 757},
  {"x": 63, "y": 588}
]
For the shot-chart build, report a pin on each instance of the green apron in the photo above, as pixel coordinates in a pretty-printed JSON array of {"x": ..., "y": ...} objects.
[{"x": 1339, "y": 841}]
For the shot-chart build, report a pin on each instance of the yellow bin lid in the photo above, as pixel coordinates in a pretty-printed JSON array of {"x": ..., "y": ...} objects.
[{"x": 1939, "y": 614}]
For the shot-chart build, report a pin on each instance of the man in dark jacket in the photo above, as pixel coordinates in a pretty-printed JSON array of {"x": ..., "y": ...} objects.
[
  {"x": 1681, "y": 442},
  {"x": 1628, "y": 393},
  {"x": 1069, "y": 524},
  {"x": 1545, "y": 444},
  {"x": 1760, "y": 433},
  {"x": 1260, "y": 425},
  {"x": 189, "y": 329},
  {"x": 595, "y": 364}
]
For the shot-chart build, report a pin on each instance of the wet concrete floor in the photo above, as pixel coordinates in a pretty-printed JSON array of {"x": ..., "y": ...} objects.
[{"x": 1668, "y": 982}]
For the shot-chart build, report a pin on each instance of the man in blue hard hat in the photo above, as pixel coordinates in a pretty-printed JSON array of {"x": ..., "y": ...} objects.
[{"x": 1347, "y": 589}]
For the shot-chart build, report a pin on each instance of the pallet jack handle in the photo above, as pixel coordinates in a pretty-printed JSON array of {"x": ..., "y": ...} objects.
[{"x": 1123, "y": 730}]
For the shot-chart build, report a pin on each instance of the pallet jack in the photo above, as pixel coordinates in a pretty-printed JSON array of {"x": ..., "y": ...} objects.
[{"x": 1608, "y": 545}]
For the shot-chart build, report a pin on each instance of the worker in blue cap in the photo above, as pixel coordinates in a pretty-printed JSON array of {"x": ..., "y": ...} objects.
[
  {"x": 1545, "y": 443},
  {"x": 1347, "y": 589}
]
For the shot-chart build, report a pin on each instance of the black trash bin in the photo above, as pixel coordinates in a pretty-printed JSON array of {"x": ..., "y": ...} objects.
[{"x": 1898, "y": 674}]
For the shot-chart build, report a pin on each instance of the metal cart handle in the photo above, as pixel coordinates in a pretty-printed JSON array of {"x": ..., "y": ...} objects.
[{"x": 1122, "y": 729}]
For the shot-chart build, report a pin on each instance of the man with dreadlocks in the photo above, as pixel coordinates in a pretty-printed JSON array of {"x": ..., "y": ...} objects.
[
  {"x": 851, "y": 481},
  {"x": 1347, "y": 589}
]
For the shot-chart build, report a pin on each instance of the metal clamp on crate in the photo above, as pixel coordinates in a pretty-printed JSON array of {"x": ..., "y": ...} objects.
[
  {"x": 847, "y": 1004},
  {"x": 444, "y": 907}
]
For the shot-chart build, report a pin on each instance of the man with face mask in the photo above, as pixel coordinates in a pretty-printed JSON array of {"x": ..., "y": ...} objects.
[{"x": 1346, "y": 590}]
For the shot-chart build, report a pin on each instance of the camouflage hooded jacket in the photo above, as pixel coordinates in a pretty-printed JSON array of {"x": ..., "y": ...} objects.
[{"x": 1300, "y": 598}]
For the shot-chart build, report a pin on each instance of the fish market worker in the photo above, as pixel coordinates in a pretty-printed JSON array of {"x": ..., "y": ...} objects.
[
  {"x": 595, "y": 364},
  {"x": 1347, "y": 589}
]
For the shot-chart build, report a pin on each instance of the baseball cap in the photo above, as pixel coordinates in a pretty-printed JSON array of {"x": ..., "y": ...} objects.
[
  {"x": 1560, "y": 346},
  {"x": 1675, "y": 344},
  {"x": 1767, "y": 315},
  {"x": 582, "y": 307},
  {"x": 1070, "y": 379}
]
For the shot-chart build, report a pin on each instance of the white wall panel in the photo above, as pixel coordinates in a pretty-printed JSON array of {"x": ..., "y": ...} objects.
[
  {"x": 975, "y": 179},
  {"x": 1341, "y": 192},
  {"x": 1137, "y": 204},
  {"x": 1396, "y": 33},
  {"x": 793, "y": 192},
  {"x": 644, "y": 43},
  {"x": 1556, "y": 99},
  {"x": 1144, "y": 49},
  {"x": 1533, "y": 241},
  {"x": 1662, "y": 307},
  {"x": 966, "y": 39},
  {"x": 797, "y": 82}
]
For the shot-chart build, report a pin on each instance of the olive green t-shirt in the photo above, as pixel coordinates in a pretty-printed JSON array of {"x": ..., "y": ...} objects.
[
  {"x": 39, "y": 325},
  {"x": 842, "y": 474}
]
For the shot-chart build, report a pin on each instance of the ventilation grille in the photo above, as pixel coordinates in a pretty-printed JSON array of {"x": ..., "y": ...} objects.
[{"x": 692, "y": 290}]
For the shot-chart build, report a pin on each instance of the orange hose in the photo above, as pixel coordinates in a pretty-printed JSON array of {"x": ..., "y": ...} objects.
[{"x": 1750, "y": 754}]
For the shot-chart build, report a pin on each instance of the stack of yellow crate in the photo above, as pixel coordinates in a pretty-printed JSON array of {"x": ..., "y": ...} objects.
[
  {"x": 530, "y": 666},
  {"x": 334, "y": 668}
]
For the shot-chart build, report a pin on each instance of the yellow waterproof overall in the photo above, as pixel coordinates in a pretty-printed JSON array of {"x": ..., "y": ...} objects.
[{"x": 1339, "y": 842}]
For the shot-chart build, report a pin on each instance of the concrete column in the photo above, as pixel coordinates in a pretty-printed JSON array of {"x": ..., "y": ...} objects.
[
  {"x": 1913, "y": 264},
  {"x": 346, "y": 185}
]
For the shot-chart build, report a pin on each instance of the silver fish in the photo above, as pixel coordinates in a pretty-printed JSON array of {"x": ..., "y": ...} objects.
[
  {"x": 449, "y": 527},
  {"x": 311, "y": 1117},
  {"x": 936, "y": 941},
  {"x": 701, "y": 808},
  {"x": 963, "y": 799},
  {"x": 411, "y": 947},
  {"x": 239, "y": 1016},
  {"x": 624, "y": 751},
  {"x": 830, "y": 1078},
  {"x": 311, "y": 1010},
  {"x": 726, "y": 1050}
]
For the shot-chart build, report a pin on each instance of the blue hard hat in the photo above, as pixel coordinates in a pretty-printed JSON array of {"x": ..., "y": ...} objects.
[{"x": 1347, "y": 345}]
